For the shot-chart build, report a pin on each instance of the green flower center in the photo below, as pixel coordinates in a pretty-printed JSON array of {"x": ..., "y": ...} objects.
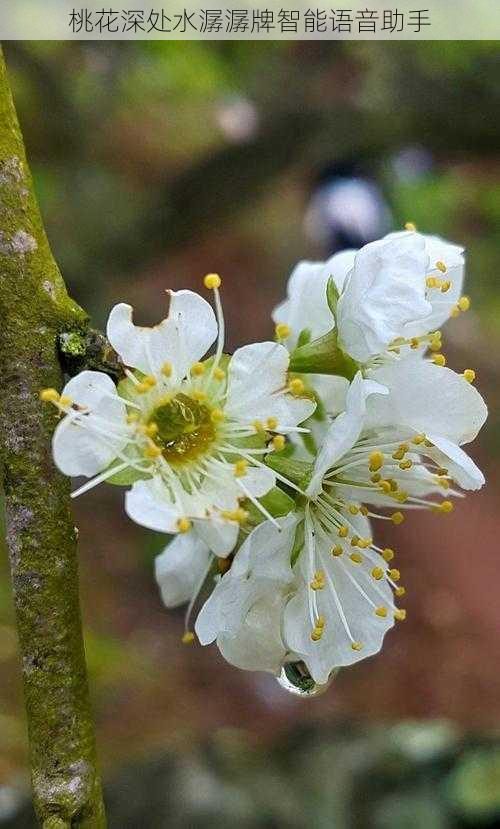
[{"x": 185, "y": 429}]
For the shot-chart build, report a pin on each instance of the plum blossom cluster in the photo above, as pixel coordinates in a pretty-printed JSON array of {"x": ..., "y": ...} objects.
[{"x": 271, "y": 468}]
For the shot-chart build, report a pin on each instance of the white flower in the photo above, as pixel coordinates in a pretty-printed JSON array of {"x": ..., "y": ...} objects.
[
  {"x": 393, "y": 293},
  {"x": 188, "y": 434},
  {"x": 375, "y": 457}
]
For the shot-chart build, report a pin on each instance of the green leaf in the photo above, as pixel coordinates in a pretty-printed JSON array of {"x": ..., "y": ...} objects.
[
  {"x": 332, "y": 296},
  {"x": 323, "y": 356},
  {"x": 298, "y": 472},
  {"x": 276, "y": 502},
  {"x": 298, "y": 543}
]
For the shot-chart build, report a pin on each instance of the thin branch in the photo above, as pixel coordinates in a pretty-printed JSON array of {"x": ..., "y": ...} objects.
[{"x": 35, "y": 309}]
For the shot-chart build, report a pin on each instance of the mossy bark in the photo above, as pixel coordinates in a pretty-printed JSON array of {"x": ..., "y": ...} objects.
[{"x": 34, "y": 310}]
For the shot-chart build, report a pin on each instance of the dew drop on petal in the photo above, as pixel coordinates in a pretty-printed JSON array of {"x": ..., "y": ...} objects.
[{"x": 295, "y": 679}]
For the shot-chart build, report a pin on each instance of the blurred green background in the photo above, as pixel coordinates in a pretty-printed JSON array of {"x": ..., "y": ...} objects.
[{"x": 154, "y": 164}]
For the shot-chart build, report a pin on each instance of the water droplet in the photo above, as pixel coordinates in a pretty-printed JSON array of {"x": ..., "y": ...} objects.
[{"x": 295, "y": 679}]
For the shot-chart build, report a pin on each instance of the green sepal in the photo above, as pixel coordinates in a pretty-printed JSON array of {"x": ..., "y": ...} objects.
[
  {"x": 276, "y": 502},
  {"x": 304, "y": 337},
  {"x": 323, "y": 356},
  {"x": 126, "y": 476},
  {"x": 297, "y": 472},
  {"x": 298, "y": 543},
  {"x": 332, "y": 296}
]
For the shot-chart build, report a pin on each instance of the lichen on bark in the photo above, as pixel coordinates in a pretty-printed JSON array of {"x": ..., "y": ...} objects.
[{"x": 35, "y": 310}]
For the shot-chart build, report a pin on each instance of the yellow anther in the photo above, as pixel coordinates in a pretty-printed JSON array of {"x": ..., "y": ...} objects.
[
  {"x": 401, "y": 497},
  {"x": 320, "y": 622},
  {"x": 400, "y": 615},
  {"x": 318, "y": 581},
  {"x": 469, "y": 375},
  {"x": 397, "y": 518},
  {"x": 415, "y": 342},
  {"x": 151, "y": 430},
  {"x": 198, "y": 395},
  {"x": 239, "y": 515},
  {"x": 382, "y": 612},
  {"x": 337, "y": 550},
  {"x": 394, "y": 574},
  {"x": 436, "y": 345},
  {"x": 407, "y": 464},
  {"x": 133, "y": 417},
  {"x": 316, "y": 634},
  {"x": 149, "y": 380},
  {"x": 282, "y": 331},
  {"x": 357, "y": 646},
  {"x": 152, "y": 451},
  {"x": 183, "y": 525},
  {"x": 355, "y": 540},
  {"x": 216, "y": 415},
  {"x": 446, "y": 506},
  {"x": 364, "y": 510},
  {"x": 65, "y": 401},
  {"x": 455, "y": 311},
  {"x": 258, "y": 426},
  {"x": 443, "y": 483},
  {"x": 187, "y": 638},
  {"x": 387, "y": 554},
  {"x": 376, "y": 477},
  {"x": 240, "y": 468},
  {"x": 166, "y": 369},
  {"x": 377, "y": 573},
  {"x": 219, "y": 373},
  {"x": 271, "y": 423},
  {"x": 364, "y": 543},
  {"x": 343, "y": 532},
  {"x": 296, "y": 386},
  {"x": 279, "y": 442},
  {"x": 142, "y": 388},
  {"x": 212, "y": 280},
  {"x": 385, "y": 486},
  {"x": 353, "y": 509},
  {"x": 441, "y": 471},
  {"x": 375, "y": 460},
  {"x": 400, "y": 591},
  {"x": 197, "y": 369},
  {"x": 399, "y": 454},
  {"x": 445, "y": 286},
  {"x": 439, "y": 359},
  {"x": 431, "y": 282},
  {"x": 49, "y": 395},
  {"x": 441, "y": 266},
  {"x": 463, "y": 303},
  {"x": 357, "y": 558},
  {"x": 418, "y": 439},
  {"x": 410, "y": 226}
]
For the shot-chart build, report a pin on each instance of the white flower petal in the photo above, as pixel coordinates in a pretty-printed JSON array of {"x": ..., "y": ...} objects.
[
  {"x": 429, "y": 399},
  {"x": 306, "y": 306},
  {"x": 182, "y": 339},
  {"x": 262, "y": 560},
  {"x": 384, "y": 291},
  {"x": 149, "y": 504},
  {"x": 334, "y": 649},
  {"x": 345, "y": 429},
  {"x": 219, "y": 535},
  {"x": 257, "y": 379},
  {"x": 257, "y": 644},
  {"x": 85, "y": 444},
  {"x": 452, "y": 256},
  {"x": 460, "y": 466},
  {"x": 179, "y": 568}
]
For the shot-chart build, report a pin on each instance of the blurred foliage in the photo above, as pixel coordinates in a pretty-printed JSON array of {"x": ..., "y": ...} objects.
[{"x": 408, "y": 776}]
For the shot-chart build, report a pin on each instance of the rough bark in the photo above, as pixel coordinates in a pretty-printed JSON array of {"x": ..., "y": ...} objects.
[{"x": 41, "y": 538}]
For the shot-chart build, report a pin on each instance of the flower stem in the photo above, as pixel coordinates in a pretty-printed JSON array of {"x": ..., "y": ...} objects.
[{"x": 41, "y": 538}]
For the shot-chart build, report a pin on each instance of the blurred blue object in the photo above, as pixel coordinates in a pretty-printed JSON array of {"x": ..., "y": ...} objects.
[{"x": 347, "y": 209}]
